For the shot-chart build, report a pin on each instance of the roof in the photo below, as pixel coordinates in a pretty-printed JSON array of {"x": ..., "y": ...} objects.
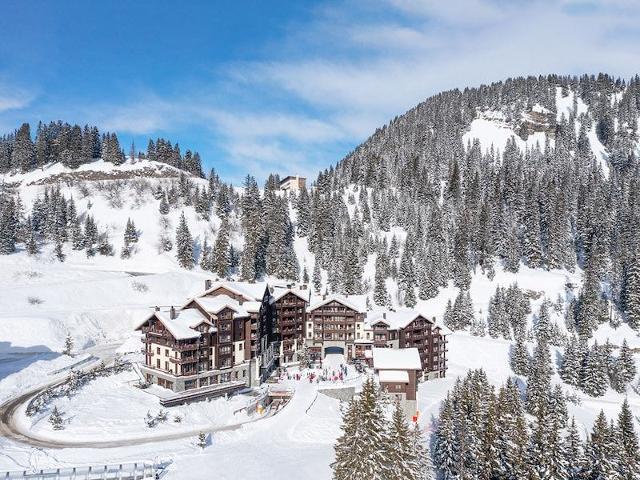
[
  {"x": 249, "y": 291},
  {"x": 393, "y": 376},
  {"x": 215, "y": 305},
  {"x": 281, "y": 292},
  {"x": 396, "y": 359},
  {"x": 182, "y": 327},
  {"x": 395, "y": 319},
  {"x": 354, "y": 302}
]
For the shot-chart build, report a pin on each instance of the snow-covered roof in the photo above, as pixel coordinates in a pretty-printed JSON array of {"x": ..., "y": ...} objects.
[
  {"x": 278, "y": 293},
  {"x": 215, "y": 305},
  {"x": 396, "y": 359},
  {"x": 395, "y": 319},
  {"x": 249, "y": 291},
  {"x": 183, "y": 326},
  {"x": 354, "y": 302},
  {"x": 393, "y": 376},
  {"x": 252, "y": 307}
]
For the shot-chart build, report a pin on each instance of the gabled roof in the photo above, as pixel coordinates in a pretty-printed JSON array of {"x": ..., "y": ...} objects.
[
  {"x": 281, "y": 292},
  {"x": 183, "y": 326},
  {"x": 354, "y": 302},
  {"x": 215, "y": 305},
  {"x": 249, "y": 291},
  {"x": 395, "y": 319},
  {"x": 396, "y": 359}
]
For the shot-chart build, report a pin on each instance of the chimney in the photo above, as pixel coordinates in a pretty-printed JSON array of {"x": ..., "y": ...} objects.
[
  {"x": 172, "y": 313},
  {"x": 324, "y": 296},
  {"x": 384, "y": 315},
  {"x": 157, "y": 309},
  {"x": 303, "y": 286},
  {"x": 207, "y": 284}
]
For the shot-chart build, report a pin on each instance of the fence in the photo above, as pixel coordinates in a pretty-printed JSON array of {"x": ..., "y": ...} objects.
[{"x": 122, "y": 471}]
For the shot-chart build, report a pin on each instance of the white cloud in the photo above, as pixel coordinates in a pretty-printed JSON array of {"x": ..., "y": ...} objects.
[{"x": 14, "y": 98}]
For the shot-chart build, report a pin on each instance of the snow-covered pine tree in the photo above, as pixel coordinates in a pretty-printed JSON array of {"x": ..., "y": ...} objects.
[
  {"x": 446, "y": 443},
  {"x": 425, "y": 470},
  {"x": 220, "y": 253},
  {"x": 539, "y": 380},
  {"x": 317, "y": 278},
  {"x": 602, "y": 458},
  {"x": 630, "y": 454},
  {"x": 56, "y": 419},
  {"x": 631, "y": 292},
  {"x": 519, "y": 358},
  {"x": 184, "y": 244},
  {"x": 400, "y": 455},
  {"x": 571, "y": 363},
  {"x": 130, "y": 232}
]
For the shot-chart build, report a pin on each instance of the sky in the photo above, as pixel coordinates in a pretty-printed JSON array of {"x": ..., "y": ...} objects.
[{"x": 287, "y": 87}]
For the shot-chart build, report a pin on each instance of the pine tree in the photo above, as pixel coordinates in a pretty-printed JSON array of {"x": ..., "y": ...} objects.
[
  {"x": 56, "y": 420},
  {"x": 360, "y": 451},
  {"x": 601, "y": 456},
  {"x": 317, "y": 278},
  {"x": 59, "y": 252},
  {"x": 422, "y": 455},
  {"x": 400, "y": 456},
  {"x": 202, "y": 440},
  {"x": 68, "y": 345},
  {"x": 8, "y": 226},
  {"x": 32, "y": 244},
  {"x": 130, "y": 232},
  {"x": 380, "y": 295},
  {"x": 163, "y": 207},
  {"x": 626, "y": 364},
  {"x": 630, "y": 449},
  {"x": 571, "y": 363},
  {"x": 520, "y": 358},
  {"x": 539, "y": 381},
  {"x": 184, "y": 244},
  {"x": 220, "y": 253},
  {"x": 574, "y": 453},
  {"x": 631, "y": 294},
  {"x": 446, "y": 452},
  {"x": 24, "y": 155}
]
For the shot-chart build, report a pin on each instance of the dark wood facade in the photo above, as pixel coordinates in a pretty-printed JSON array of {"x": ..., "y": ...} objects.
[{"x": 290, "y": 312}]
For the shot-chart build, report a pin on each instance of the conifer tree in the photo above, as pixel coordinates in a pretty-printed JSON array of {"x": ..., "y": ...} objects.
[
  {"x": 630, "y": 454},
  {"x": 220, "y": 253},
  {"x": 601, "y": 457},
  {"x": 520, "y": 358},
  {"x": 56, "y": 420},
  {"x": 317, "y": 279},
  {"x": 130, "y": 232},
  {"x": 422, "y": 455},
  {"x": 400, "y": 455},
  {"x": 184, "y": 244}
]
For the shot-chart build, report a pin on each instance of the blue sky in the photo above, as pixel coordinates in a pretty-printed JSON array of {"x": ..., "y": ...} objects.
[{"x": 284, "y": 86}]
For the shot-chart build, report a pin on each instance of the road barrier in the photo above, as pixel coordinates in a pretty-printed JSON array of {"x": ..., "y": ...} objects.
[{"x": 121, "y": 471}]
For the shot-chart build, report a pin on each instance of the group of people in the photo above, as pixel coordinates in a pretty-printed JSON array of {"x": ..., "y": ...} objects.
[{"x": 324, "y": 375}]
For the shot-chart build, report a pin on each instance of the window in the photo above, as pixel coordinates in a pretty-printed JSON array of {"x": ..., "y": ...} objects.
[
  {"x": 166, "y": 365},
  {"x": 166, "y": 352},
  {"x": 158, "y": 363},
  {"x": 158, "y": 350}
]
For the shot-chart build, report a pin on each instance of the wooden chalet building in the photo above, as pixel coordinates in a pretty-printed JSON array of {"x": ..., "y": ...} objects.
[
  {"x": 333, "y": 325},
  {"x": 398, "y": 372},
  {"x": 406, "y": 328},
  {"x": 289, "y": 311},
  {"x": 243, "y": 331}
]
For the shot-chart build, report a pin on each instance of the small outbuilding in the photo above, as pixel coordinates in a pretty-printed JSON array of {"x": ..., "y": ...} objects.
[{"x": 398, "y": 371}]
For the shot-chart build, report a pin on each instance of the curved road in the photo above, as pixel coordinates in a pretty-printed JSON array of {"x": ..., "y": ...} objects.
[{"x": 10, "y": 429}]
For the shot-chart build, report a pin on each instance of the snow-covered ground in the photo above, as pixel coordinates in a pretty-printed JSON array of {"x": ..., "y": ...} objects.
[{"x": 113, "y": 408}]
